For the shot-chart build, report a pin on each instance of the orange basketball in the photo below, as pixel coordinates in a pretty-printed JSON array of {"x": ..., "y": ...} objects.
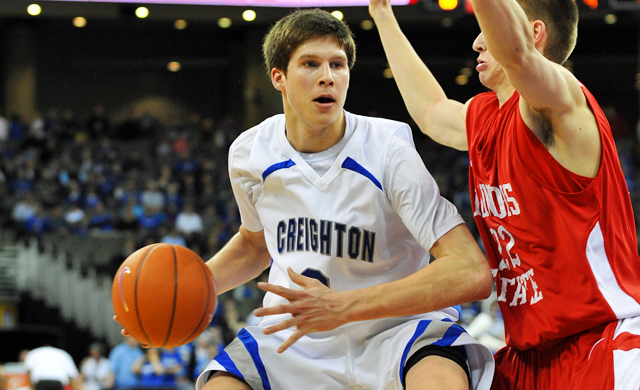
[{"x": 164, "y": 295}]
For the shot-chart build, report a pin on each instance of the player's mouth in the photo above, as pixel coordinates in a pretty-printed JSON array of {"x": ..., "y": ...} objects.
[
  {"x": 325, "y": 100},
  {"x": 482, "y": 65}
]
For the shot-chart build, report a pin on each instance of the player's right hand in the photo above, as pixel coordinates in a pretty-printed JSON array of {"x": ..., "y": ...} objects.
[
  {"x": 315, "y": 308},
  {"x": 125, "y": 333}
]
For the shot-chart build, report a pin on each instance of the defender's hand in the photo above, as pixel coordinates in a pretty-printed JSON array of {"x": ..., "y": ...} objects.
[{"x": 377, "y": 8}]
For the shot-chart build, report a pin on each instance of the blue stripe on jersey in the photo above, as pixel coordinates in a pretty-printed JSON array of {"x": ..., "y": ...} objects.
[
  {"x": 422, "y": 326},
  {"x": 450, "y": 336},
  {"x": 228, "y": 364},
  {"x": 252, "y": 347},
  {"x": 352, "y": 165},
  {"x": 281, "y": 165},
  {"x": 458, "y": 309}
]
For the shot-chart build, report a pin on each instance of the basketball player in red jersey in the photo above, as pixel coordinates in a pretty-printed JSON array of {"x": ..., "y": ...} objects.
[{"x": 550, "y": 199}]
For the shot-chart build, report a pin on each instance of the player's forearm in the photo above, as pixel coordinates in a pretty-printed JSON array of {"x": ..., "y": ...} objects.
[
  {"x": 238, "y": 262},
  {"x": 506, "y": 30},
  {"x": 446, "y": 282},
  {"x": 418, "y": 87}
]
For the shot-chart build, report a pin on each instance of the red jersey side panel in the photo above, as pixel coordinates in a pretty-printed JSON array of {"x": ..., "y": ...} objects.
[{"x": 562, "y": 247}]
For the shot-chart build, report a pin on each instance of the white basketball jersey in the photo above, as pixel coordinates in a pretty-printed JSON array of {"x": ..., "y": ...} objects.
[{"x": 368, "y": 220}]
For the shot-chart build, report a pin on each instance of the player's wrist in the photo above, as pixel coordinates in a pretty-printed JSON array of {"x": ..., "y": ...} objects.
[{"x": 354, "y": 306}]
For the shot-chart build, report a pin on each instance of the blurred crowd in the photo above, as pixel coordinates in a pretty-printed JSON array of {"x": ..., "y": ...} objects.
[
  {"x": 151, "y": 182},
  {"x": 146, "y": 180},
  {"x": 125, "y": 366}
]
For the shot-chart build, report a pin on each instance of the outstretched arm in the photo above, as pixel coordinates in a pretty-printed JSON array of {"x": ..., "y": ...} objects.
[
  {"x": 316, "y": 308},
  {"x": 437, "y": 116},
  {"x": 242, "y": 259}
]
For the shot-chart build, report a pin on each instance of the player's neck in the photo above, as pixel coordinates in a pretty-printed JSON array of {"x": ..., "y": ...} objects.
[
  {"x": 315, "y": 138},
  {"x": 504, "y": 91}
]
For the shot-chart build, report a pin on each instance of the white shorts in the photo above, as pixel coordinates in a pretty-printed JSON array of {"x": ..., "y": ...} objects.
[{"x": 366, "y": 355}]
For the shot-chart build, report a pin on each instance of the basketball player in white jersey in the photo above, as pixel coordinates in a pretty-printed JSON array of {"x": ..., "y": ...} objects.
[{"x": 344, "y": 212}]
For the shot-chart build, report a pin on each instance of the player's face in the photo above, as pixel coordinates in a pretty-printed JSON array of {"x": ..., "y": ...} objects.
[
  {"x": 315, "y": 86},
  {"x": 490, "y": 72}
]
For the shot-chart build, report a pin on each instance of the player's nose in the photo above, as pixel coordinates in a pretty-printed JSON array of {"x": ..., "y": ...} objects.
[
  {"x": 479, "y": 44},
  {"x": 326, "y": 75}
]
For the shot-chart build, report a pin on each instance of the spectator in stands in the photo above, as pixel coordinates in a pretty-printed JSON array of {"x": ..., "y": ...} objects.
[
  {"x": 37, "y": 224},
  {"x": 105, "y": 153},
  {"x": 47, "y": 188},
  {"x": 122, "y": 357},
  {"x": 158, "y": 368},
  {"x": 166, "y": 177},
  {"x": 189, "y": 188},
  {"x": 127, "y": 220},
  {"x": 216, "y": 238},
  {"x": 76, "y": 219},
  {"x": 74, "y": 194},
  {"x": 181, "y": 145},
  {"x": 151, "y": 220},
  {"x": 51, "y": 368},
  {"x": 96, "y": 369},
  {"x": 209, "y": 195},
  {"x": 105, "y": 185},
  {"x": 173, "y": 196},
  {"x": 152, "y": 196},
  {"x": 21, "y": 184},
  {"x": 173, "y": 236},
  {"x": 91, "y": 198},
  {"x": 24, "y": 208},
  {"x": 205, "y": 350},
  {"x": 57, "y": 222},
  {"x": 171, "y": 211},
  {"x": 175, "y": 366},
  {"x": 210, "y": 217},
  {"x": 101, "y": 219},
  {"x": 189, "y": 223},
  {"x": 87, "y": 164},
  {"x": 127, "y": 193},
  {"x": 186, "y": 163}
]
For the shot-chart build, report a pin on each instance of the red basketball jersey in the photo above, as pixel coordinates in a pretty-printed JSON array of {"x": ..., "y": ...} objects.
[{"x": 562, "y": 247}]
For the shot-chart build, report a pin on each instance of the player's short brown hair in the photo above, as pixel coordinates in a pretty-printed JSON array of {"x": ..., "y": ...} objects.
[
  {"x": 300, "y": 26},
  {"x": 561, "y": 20}
]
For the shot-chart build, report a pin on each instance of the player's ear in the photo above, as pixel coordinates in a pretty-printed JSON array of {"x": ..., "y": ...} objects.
[
  {"x": 539, "y": 32},
  {"x": 278, "y": 78}
]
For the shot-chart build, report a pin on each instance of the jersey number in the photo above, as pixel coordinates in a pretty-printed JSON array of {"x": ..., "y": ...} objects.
[
  {"x": 502, "y": 235},
  {"x": 316, "y": 274}
]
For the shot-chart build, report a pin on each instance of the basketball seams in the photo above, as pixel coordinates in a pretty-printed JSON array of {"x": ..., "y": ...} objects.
[
  {"x": 206, "y": 306},
  {"x": 175, "y": 294},
  {"x": 135, "y": 292}
]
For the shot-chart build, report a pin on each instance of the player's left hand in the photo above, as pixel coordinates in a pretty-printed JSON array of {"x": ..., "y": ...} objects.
[{"x": 315, "y": 308}]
